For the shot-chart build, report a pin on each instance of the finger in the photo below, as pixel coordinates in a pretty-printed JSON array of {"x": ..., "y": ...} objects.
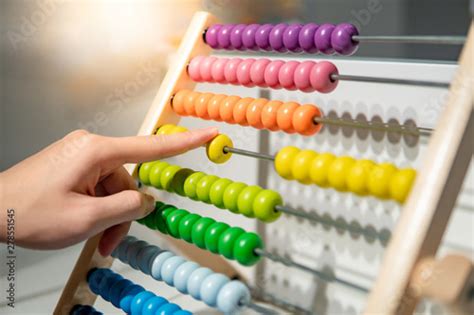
[
  {"x": 148, "y": 148},
  {"x": 117, "y": 181},
  {"x": 112, "y": 237}
]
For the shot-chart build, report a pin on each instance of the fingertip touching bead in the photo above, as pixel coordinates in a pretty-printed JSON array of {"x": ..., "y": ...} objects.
[
  {"x": 226, "y": 109},
  {"x": 341, "y": 39},
  {"x": 194, "y": 68},
  {"x": 223, "y": 36},
  {"x": 290, "y": 37},
  {"x": 254, "y": 112},
  {"x": 240, "y": 111},
  {"x": 284, "y": 161},
  {"x": 300, "y": 167},
  {"x": 322, "y": 39},
  {"x": 205, "y": 68},
  {"x": 243, "y": 72},
  {"x": 319, "y": 169},
  {"x": 182, "y": 274},
  {"x": 233, "y": 297},
  {"x": 216, "y": 194},
  {"x": 230, "y": 70},
  {"x": 204, "y": 186},
  {"x": 302, "y": 76},
  {"x": 276, "y": 37},
  {"x": 271, "y": 74},
  {"x": 201, "y": 105},
  {"x": 213, "y": 107},
  {"x": 158, "y": 263},
  {"x": 380, "y": 178},
  {"x": 199, "y": 231},
  {"x": 231, "y": 194},
  {"x": 190, "y": 185},
  {"x": 338, "y": 171},
  {"x": 285, "y": 116},
  {"x": 321, "y": 79},
  {"x": 269, "y": 115},
  {"x": 215, "y": 149},
  {"x": 195, "y": 281},
  {"x": 248, "y": 36},
  {"x": 286, "y": 75},
  {"x": 211, "y": 237},
  {"x": 211, "y": 35},
  {"x": 303, "y": 120},
  {"x": 264, "y": 205},
  {"x": 358, "y": 175},
  {"x": 211, "y": 286},
  {"x": 244, "y": 249},
  {"x": 401, "y": 183},
  {"x": 246, "y": 199},
  {"x": 236, "y": 36},
  {"x": 262, "y": 36},
  {"x": 306, "y": 37},
  {"x": 227, "y": 241},
  {"x": 169, "y": 268},
  {"x": 257, "y": 72},
  {"x": 218, "y": 69}
]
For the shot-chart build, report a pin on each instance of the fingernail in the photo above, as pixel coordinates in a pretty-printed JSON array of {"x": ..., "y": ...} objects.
[
  {"x": 150, "y": 203},
  {"x": 214, "y": 130}
]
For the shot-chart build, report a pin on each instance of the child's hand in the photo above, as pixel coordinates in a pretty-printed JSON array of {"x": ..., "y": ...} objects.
[{"x": 77, "y": 187}]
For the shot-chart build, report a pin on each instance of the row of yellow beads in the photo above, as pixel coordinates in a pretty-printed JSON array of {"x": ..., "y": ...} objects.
[{"x": 362, "y": 177}]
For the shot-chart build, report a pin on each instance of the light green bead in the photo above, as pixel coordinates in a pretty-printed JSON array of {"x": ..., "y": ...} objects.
[
  {"x": 231, "y": 196},
  {"x": 216, "y": 194},
  {"x": 144, "y": 172},
  {"x": 167, "y": 176},
  {"x": 265, "y": 203},
  {"x": 203, "y": 188},
  {"x": 155, "y": 173},
  {"x": 246, "y": 199},
  {"x": 190, "y": 185}
]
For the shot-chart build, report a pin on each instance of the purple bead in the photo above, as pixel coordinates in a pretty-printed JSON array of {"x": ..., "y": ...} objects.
[
  {"x": 341, "y": 39},
  {"x": 248, "y": 37},
  {"x": 322, "y": 39},
  {"x": 276, "y": 37},
  {"x": 306, "y": 37},
  {"x": 223, "y": 36},
  {"x": 290, "y": 37},
  {"x": 236, "y": 36},
  {"x": 262, "y": 36},
  {"x": 211, "y": 35}
]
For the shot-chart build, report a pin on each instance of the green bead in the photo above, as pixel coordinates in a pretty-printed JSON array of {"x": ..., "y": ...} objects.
[
  {"x": 167, "y": 176},
  {"x": 186, "y": 226},
  {"x": 190, "y": 185},
  {"x": 165, "y": 212},
  {"x": 211, "y": 238},
  {"x": 227, "y": 241},
  {"x": 155, "y": 173},
  {"x": 244, "y": 248},
  {"x": 204, "y": 186},
  {"x": 231, "y": 196},
  {"x": 172, "y": 221},
  {"x": 265, "y": 203},
  {"x": 246, "y": 199},
  {"x": 144, "y": 172},
  {"x": 177, "y": 183},
  {"x": 199, "y": 231},
  {"x": 158, "y": 220},
  {"x": 216, "y": 194},
  {"x": 148, "y": 220}
]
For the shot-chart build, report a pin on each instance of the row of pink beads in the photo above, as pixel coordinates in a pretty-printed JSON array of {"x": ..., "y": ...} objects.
[{"x": 307, "y": 76}]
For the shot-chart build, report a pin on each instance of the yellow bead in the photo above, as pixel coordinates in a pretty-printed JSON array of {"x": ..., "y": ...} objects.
[
  {"x": 357, "y": 178},
  {"x": 284, "y": 161},
  {"x": 301, "y": 166},
  {"x": 177, "y": 129},
  {"x": 379, "y": 180},
  {"x": 165, "y": 129},
  {"x": 401, "y": 184},
  {"x": 215, "y": 149},
  {"x": 319, "y": 169},
  {"x": 338, "y": 171}
]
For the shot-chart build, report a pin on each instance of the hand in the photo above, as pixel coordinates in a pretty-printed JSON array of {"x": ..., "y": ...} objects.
[{"x": 77, "y": 187}]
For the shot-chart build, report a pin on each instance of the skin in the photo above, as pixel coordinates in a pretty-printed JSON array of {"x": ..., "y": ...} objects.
[{"x": 77, "y": 187}]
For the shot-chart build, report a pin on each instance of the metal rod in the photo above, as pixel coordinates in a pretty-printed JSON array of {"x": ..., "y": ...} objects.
[
  {"x": 323, "y": 276},
  {"x": 412, "y": 39},
  {"x": 358, "y": 78},
  {"x": 386, "y": 127},
  {"x": 260, "y": 309},
  {"x": 249, "y": 153},
  {"x": 270, "y": 298}
]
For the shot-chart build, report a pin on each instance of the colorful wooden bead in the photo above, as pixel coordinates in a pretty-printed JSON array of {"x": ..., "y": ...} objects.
[
  {"x": 284, "y": 161},
  {"x": 213, "y": 107},
  {"x": 338, "y": 171},
  {"x": 167, "y": 176},
  {"x": 186, "y": 225},
  {"x": 173, "y": 221},
  {"x": 231, "y": 195},
  {"x": 230, "y": 70},
  {"x": 199, "y": 231},
  {"x": 271, "y": 74},
  {"x": 196, "y": 279},
  {"x": 246, "y": 199},
  {"x": 204, "y": 186},
  {"x": 227, "y": 241},
  {"x": 138, "y": 301},
  {"x": 319, "y": 169},
  {"x": 177, "y": 183},
  {"x": 215, "y": 149},
  {"x": 226, "y": 109},
  {"x": 240, "y": 111},
  {"x": 153, "y": 304},
  {"x": 264, "y": 205},
  {"x": 301, "y": 76},
  {"x": 211, "y": 286},
  {"x": 358, "y": 176},
  {"x": 158, "y": 263},
  {"x": 401, "y": 183},
  {"x": 232, "y": 297},
  {"x": 168, "y": 309},
  {"x": 243, "y": 72},
  {"x": 254, "y": 112},
  {"x": 182, "y": 274},
  {"x": 155, "y": 174},
  {"x": 211, "y": 237},
  {"x": 244, "y": 249},
  {"x": 286, "y": 75},
  {"x": 285, "y": 116},
  {"x": 301, "y": 165},
  {"x": 269, "y": 115},
  {"x": 379, "y": 180},
  {"x": 216, "y": 194},
  {"x": 303, "y": 120},
  {"x": 168, "y": 270},
  {"x": 201, "y": 105},
  {"x": 190, "y": 184},
  {"x": 320, "y": 77},
  {"x": 144, "y": 172}
]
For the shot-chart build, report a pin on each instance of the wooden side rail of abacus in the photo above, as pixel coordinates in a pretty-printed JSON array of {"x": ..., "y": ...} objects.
[
  {"x": 426, "y": 213},
  {"x": 76, "y": 290}
]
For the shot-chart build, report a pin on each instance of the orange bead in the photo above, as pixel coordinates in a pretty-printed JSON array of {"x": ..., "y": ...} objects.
[
  {"x": 201, "y": 105},
  {"x": 214, "y": 105},
  {"x": 269, "y": 115},
  {"x": 285, "y": 116},
  {"x": 254, "y": 112},
  {"x": 189, "y": 103},
  {"x": 240, "y": 111},
  {"x": 226, "y": 111},
  {"x": 178, "y": 102},
  {"x": 303, "y": 120}
]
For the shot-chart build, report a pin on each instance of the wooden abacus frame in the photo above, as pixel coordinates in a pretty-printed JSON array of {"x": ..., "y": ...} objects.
[{"x": 420, "y": 227}]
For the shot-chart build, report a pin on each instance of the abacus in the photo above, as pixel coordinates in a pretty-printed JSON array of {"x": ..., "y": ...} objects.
[{"x": 427, "y": 194}]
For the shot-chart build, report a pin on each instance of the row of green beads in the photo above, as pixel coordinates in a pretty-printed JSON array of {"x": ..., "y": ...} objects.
[
  {"x": 205, "y": 233},
  {"x": 251, "y": 201}
]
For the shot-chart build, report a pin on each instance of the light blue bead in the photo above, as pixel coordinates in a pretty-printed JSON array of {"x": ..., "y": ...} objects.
[
  {"x": 144, "y": 256},
  {"x": 127, "y": 296},
  {"x": 211, "y": 286},
  {"x": 232, "y": 297},
  {"x": 183, "y": 312},
  {"x": 125, "y": 303},
  {"x": 132, "y": 253},
  {"x": 139, "y": 301},
  {"x": 158, "y": 263},
  {"x": 195, "y": 280},
  {"x": 181, "y": 276},
  {"x": 169, "y": 268},
  {"x": 152, "y": 305},
  {"x": 123, "y": 246},
  {"x": 168, "y": 309}
]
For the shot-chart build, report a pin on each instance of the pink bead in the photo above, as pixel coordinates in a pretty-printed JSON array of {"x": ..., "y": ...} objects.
[
  {"x": 302, "y": 74},
  {"x": 230, "y": 70},
  {"x": 243, "y": 72},
  {"x": 271, "y": 74},
  {"x": 193, "y": 68},
  {"x": 286, "y": 75},
  {"x": 320, "y": 77},
  {"x": 257, "y": 72},
  {"x": 205, "y": 68},
  {"x": 217, "y": 70}
]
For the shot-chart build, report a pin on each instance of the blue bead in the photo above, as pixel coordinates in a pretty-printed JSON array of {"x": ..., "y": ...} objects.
[
  {"x": 232, "y": 297},
  {"x": 158, "y": 263},
  {"x": 195, "y": 280},
  {"x": 152, "y": 305},
  {"x": 181, "y": 276},
  {"x": 95, "y": 277},
  {"x": 116, "y": 291},
  {"x": 106, "y": 284},
  {"x": 123, "y": 246},
  {"x": 211, "y": 286},
  {"x": 145, "y": 256},
  {"x": 168, "y": 309},
  {"x": 82, "y": 310},
  {"x": 139, "y": 301},
  {"x": 132, "y": 253},
  {"x": 127, "y": 296},
  {"x": 183, "y": 312},
  {"x": 169, "y": 268},
  {"x": 126, "y": 303}
]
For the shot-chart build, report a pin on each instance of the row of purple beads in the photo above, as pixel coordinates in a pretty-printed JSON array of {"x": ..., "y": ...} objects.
[{"x": 311, "y": 38}]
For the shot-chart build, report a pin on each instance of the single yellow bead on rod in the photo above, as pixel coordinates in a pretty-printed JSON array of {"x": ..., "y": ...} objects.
[
  {"x": 401, "y": 183},
  {"x": 379, "y": 180},
  {"x": 284, "y": 161},
  {"x": 358, "y": 175},
  {"x": 215, "y": 149},
  {"x": 301, "y": 165}
]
